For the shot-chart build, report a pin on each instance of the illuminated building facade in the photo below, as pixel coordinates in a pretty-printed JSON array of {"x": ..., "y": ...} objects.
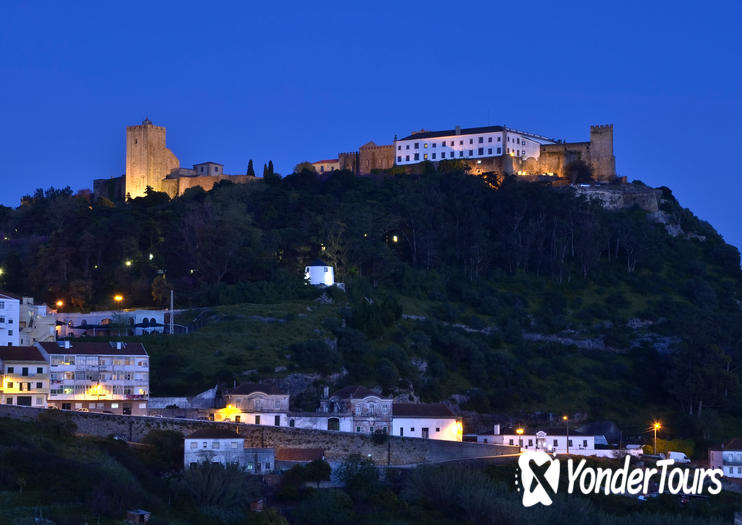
[
  {"x": 467, "y": 144},
  {"x": 24, "y": 376},
  {"x": 10, "y": 307},
  {"x": 255, "y": 404},
  {"x": 427, "y": 421},
  {"x": 98, "y": 377}
]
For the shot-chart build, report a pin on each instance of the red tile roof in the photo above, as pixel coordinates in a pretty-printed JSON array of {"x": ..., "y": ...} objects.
[
  {"x": 213, "y": 433},
  {"x": 20, "y": 353},
  {"x": 436, "y": 410},
  {"x": 94, "y": 348},
  {"x": 325, "y": 161},
  {"x": 299, "y": 454}
]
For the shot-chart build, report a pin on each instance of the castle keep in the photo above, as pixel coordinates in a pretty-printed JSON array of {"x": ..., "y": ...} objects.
[{"x": 149, "y": 163}]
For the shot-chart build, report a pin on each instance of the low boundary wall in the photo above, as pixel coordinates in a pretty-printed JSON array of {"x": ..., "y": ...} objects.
[{"x": 337, "y": 445}]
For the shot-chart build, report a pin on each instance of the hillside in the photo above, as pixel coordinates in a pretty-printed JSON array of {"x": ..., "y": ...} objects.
[{"x": 518, "y": 298}]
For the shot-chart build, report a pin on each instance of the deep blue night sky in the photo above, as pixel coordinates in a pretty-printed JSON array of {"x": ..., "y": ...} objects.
[{"x": 303, "y": 82}]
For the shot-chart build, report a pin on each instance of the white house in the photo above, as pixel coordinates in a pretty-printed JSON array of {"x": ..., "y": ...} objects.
[
  {"x": 427, "y": 421},
  {"x": 219, "y": 445},
  {"x": 368, "y": 410},
  {"x": 319, "y": 273},
  {"x": 255, "y": 404},
  {"x": 98, "y": 377},
  {"x": 467, "y": 143},
  {"x": 728, "y": 458},
  {"x": 37, "y": 323},
  {"x": 10, "y": 311},
  {"x": 548, "y": 439}
]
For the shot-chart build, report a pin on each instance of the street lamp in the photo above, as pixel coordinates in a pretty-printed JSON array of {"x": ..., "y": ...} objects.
[
  {"x": 519, "y": 431},
  {"x": 118, "y": 298},
  {"x": 656, "y": 426},
  {"x": 60, "y": 303},
  {"x": 566, "y": 420}
]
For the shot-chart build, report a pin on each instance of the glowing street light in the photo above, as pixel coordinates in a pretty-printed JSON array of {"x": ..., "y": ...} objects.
[
  {"x": 118, "y": 298},
  {"x": 2, "y": 271},
  {"x": 395, "y": 238},
  {"x": 520, "y": 431},
  {"x": 60, "y": 303},
  {"x": 656, "y": 426},
  {"x": 127, "y": 262}
]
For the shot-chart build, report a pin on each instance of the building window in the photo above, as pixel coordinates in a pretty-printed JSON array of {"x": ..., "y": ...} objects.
[
  {"x": 461, "y": 143},
  {"x": 511, "y": 442},
  {"x": 10, "y": 369},
  {"x": 584, "y": 443},
  {"x": 434, "y": 144},
  {"x": 399, "y": 148},
  {"x": 277, "y": 421},
  {"x": 499, "y": 139},
  {"x": 10, "y": 384},
  {"x": 407, "y": 146},
  {"x": 499, "y": 151},
  {"x": 39, "y": 370},
  {"x": 437, "y": 429},
  {"x": 461, "y": 153},
  {"x": 292, "y": 423},
  {"x": 569, "y": 443},
  {"x": 425, "y": 156},
  {"x": 489, "y": 151},
  {"x": 530, "y": 442},
  {"x": 417, "y": 145},
  {"x": 215, "y": 444},
  {"x": 39, "y": 385},
  {"x": 358, "y": 429},
  {"x": 489, "y": 139},
  {"x": 417, "y": 156},
  {"x": 237, "y": 419},
  {"x": 556, "y": 443},
  {"x": 425, "y": 145},
  {"x": 481, "y": 139},
  {"x": 471, "y": 152},
  {"x": 257, "y": 420},
  {"x": 399, "y": 159},
  {"x": 407, "y": 158},
  {"x": 412, "y": 429},
  {"x": 24, "y": 371},
  {"x": 481, "y": 151}
]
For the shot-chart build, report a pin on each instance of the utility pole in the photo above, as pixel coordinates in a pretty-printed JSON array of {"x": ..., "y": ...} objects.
[
  {"x": 566, "y": 419},
  {"x": 172, "y": 313}
]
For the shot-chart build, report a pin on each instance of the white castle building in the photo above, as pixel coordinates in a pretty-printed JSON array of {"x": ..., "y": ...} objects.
[{"x": 468, "y": 144}]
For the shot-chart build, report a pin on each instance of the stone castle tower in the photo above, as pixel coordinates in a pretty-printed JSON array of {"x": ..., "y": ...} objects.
[
  {"x": 148, "y": 161},
  {"x": 601, "y": 152}
]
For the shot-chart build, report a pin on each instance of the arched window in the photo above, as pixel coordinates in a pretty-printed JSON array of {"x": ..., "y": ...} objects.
[
  {"x": 145, "y": 321},
  {"x": 152, "y": 321},
  {"x": 291, "y": 423},
  {"x": 83, "y": 323}
]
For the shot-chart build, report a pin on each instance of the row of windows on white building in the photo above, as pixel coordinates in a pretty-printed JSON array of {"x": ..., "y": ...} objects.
[{"x": 452, "y": 154}]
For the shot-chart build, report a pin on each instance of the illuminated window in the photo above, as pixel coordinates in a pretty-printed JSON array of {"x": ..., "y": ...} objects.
[
  {"x": 425, "y": 145},
  {"x": 425, "y": 156}
]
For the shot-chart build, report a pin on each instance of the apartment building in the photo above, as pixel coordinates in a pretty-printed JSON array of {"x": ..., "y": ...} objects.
[
  {"x": 98, "y": 377},
  {"x": 10, "y": 309},
  {"x": 24, "y": 376}
]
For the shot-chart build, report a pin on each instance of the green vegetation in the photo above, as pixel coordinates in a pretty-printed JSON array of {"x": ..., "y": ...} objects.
[{"x": 643, "y": 325}]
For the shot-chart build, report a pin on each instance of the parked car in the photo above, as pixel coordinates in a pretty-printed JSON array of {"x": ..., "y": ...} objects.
[{"x": 679, "y": 457}]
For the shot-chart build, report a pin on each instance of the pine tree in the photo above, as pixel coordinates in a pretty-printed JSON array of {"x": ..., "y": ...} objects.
[
  {"x": 270, "y": 168},
  {"x": 250, "y": 169},
  {"x": 265, "y": 171}
]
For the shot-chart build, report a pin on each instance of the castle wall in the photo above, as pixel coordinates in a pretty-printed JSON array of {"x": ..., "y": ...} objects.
[
  {"x": 207, "y": 182},
  {"x": 373, "y": 157}
]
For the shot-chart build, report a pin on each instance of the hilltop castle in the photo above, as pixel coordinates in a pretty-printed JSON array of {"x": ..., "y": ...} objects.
[
  {"x": 150, "y": 163},
  {"x": 497, "y": 149},
  {"x": 491, "y": 149}
]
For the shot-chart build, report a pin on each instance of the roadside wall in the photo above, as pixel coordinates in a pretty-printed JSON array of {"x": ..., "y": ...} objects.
[{"x": 337, "y": 445}]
